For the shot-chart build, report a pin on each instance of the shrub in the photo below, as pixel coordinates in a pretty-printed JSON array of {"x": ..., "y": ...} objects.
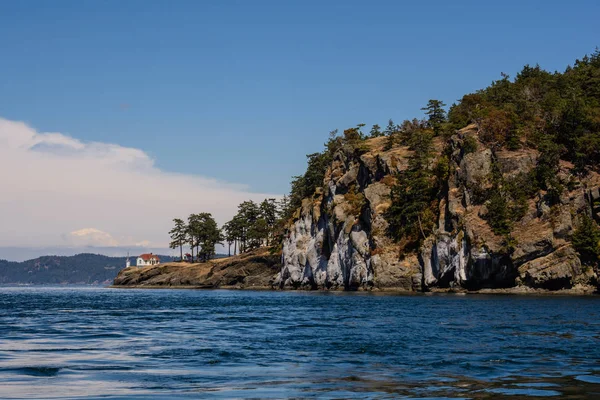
[
  {"x": 496, "y": 127},
  {"x": 586, "y": 240},
  {"x": 469, "y": 145},
  {"x": 498, "y": 215},
  {"x": 356, "y": 201}
]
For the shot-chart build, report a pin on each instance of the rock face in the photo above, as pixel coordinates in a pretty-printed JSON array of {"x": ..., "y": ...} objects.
[
  {"x": 331, "y": 244},
  {"x": 254, "y": 270},
  {"x": 337, "y": 239},
  {"x": 559, "y": 269}
]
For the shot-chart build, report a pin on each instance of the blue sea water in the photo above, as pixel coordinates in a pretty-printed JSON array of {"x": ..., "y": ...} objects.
[{"x": 73, "y": 342}]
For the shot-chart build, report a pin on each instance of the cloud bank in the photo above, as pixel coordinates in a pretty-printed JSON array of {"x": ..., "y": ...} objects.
[{"x": 56, "y": 190}]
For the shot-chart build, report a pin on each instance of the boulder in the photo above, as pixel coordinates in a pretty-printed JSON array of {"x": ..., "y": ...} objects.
[{"x": 560, "y": 269}]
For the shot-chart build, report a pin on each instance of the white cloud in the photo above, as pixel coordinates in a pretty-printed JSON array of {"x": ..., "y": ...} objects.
[
  {"x": 90, "y": 237},
  {"x": 52, "y": 185}
]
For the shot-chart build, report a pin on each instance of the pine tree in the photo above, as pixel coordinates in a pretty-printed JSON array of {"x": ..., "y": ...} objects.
[
  {"x": 390, "y": 132},
  {"x": 437, "y": 114},
  {"x": 229, "y": 236},
  {"x": 409, "y": 215},
  {"x": 178, "y": 236},
  {"x": 209, "y": 235},
  {"x": 268, "y": 212},
  {"x": 586, "y": 240},
  {"x": 376, "y": 131}
]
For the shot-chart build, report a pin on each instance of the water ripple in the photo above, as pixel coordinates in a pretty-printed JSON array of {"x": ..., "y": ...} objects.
[{"x": 71, "y": 342}]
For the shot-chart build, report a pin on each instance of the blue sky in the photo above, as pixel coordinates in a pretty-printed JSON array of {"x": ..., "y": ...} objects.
[{"x": 240, "y": 91}]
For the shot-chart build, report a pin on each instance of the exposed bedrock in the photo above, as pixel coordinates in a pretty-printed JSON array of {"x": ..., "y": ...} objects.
[{"x": 338, "y": 238}]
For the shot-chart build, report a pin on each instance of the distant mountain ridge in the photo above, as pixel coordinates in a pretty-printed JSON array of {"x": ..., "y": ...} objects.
[{"x": 85, "y": 268}]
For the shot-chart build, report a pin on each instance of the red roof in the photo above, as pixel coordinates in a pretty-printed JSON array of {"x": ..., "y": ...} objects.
[{"x": 149, "y": 256}]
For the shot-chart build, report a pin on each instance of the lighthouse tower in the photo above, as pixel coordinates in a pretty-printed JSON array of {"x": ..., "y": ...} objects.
[{"x": 127, "y": 263}]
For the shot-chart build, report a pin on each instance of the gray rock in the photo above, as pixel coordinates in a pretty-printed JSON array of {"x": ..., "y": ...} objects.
[
  {"x": 531, "y": 247},
  {"x": 512, "y": 163},
  {"x": 559, "y": 270},
  {"x": 476, "y": 167},
  {"x": 329, "y": 245},
  {"x": 563, "y": 223}
]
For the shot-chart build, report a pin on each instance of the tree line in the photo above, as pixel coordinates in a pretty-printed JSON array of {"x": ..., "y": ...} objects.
[{"x": 253, "y": 226}]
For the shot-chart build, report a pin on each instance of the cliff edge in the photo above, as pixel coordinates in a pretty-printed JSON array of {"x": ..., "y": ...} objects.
[{"x": 340, "y": 237}]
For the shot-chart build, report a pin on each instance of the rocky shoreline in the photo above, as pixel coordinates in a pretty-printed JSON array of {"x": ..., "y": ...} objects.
[
  {"x": 520, "y": 291},
  {"x": 250, "y": 270}
]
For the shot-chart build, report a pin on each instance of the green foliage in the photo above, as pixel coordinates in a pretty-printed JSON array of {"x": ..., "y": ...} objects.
[
  {"x": 497, "y": 127},
  {"x": 437, "y": 115},
  {"x": 469, "y": 144},
  {"x": 389, "y": 142},
  {"x": 411, "y": 214},
  {"x": 204, "y": 234},
  {"x": 305, "y": 185},
  {"x": 507, "y": 200},
  {"x": 390, "y": 129},
  {"x": 420, "y": 142},
  {"x": 586, "y": 240},
  {"x": 353, "y": 135},
  {"x": 518, "y": 190},
  {"x": 376, "y": 131},
  {"x": 557, "y": 113},
  {"x": 256, "y": 225},
  {"x": 545, "y": 172},
  {"x": 269, "y": 213},
  {"x": 178, "y": 236},
  {"x": 390, "y": 132},
  {"x": 407, "y": 130},
  {"x": 355, "y": 200},
  {"x": 587, "y": 151},
  {"x": 351, "y": 142},
  {"x": 498, "y": 214},
  {"x": 442, "y": 170},
  {"x": 540, "y": 107}
]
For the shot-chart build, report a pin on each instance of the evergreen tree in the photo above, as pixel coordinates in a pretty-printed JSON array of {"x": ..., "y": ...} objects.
[
  {"x": 268, "y": 212},
  {"x": 391, "y": 128},
  {"x": 208, "y": 236},
  {"x": 437, "y": 114},
  {"x": 248, "y": 214},
  {"x": 586, "y": 240},
  {"x": 410, "y": 215},
  {"x": 283, "y": 207},
  {"x": 390, "y": 132},
  {"x": 375, "y": 131},
  {"x": 229, "y": 236},
  {"x": 178, "y": 236},
  {"x": 191, "y": 233},
  {"x": 236, "y": 231}
]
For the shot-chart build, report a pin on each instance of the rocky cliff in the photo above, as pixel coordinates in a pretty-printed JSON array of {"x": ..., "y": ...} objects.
[{"x": 339, "y": 237}]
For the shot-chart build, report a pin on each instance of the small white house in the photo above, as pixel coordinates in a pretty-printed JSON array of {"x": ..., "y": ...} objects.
[{"x": 147, "y": 259}]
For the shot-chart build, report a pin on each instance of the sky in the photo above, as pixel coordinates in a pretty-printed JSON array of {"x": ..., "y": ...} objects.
[{"x": 117, "y": 116}]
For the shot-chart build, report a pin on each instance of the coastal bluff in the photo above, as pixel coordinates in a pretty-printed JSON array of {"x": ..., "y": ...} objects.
[
  {"x": 253, "y": 270},
  {"x": 339, "y": 238}
]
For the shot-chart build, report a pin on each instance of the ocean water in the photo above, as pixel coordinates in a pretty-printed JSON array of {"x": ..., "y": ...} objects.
[{"x": 72, "y": 342}]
